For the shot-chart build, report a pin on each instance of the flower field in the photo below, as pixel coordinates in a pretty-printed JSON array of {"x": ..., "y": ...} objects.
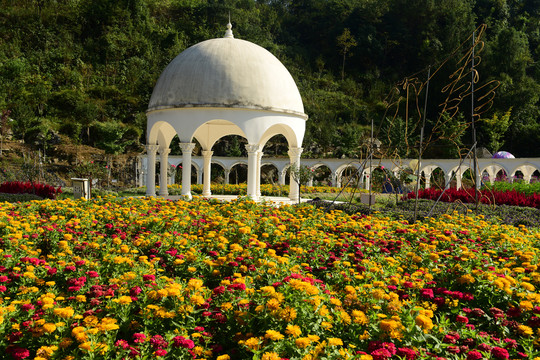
[{"x": 144, "y": 278}]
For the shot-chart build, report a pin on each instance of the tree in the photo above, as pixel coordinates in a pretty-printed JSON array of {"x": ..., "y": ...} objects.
[
  {"x": 345, "y": 42},
  {"x": 495, "y": 128}
]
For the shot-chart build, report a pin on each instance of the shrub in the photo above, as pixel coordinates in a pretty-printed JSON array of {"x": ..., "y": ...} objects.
[
  {"x": 495, "y": 197},
  {"x": 20, "y": 187}
]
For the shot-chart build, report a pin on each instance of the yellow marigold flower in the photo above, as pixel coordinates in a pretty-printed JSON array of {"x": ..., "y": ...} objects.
[
  {"x": 335, "y": 342},
  {"x": 378, "y": 294},
  {"x": 293, "y": 330},
  {"x": 197, "y": 299},
  {"x": 389, "y": 325},
  {"x": 273, "y": 335},
  {"x": 65, "y": 313},
  {"x": 252, "y": 343},
  {"x": 359, "y": 317},
  {"x": 46, "y": 351},
  {"x": 424, "y": 322},
  {"x": 525, "y": 330},
  {"x": 466, "y": 279},
  {"x": 526, "y": 305},
  {"x": 87, "y": 345},
  {"x": 195, "y": 284},
  {"x": 123, "y": 300},
  {"x": 288, "y": 313},
  {"x": 270, "y": 356},
  {"x": 527, "y": 286},
  {"x": 273, "y": 304},
  {"x": 223, "y": 357},
  {"x": 366, "y": 357},
  {"x": 302, "y": 342},
  {"x": 313, "y": 337},
  {"x": 49, "y": 327},
  {"x": 65, "y": 342}
]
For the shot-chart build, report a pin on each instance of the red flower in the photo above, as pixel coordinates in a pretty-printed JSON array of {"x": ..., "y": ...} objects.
[
  {"x": 381, "y": 354},
  {"x": 149, "y": 277},
  {"x": 180, "y": 341},
  {"x": 499, "y": 353},
  {"x": 462, "y": 319},
  {"x": 18, "y": 352},
  {"x": 406, "y": 353},
  {"x": 474, "y": 355}
]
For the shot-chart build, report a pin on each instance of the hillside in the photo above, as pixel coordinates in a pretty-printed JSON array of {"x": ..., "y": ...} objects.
[{"x": 84, "y": 70}]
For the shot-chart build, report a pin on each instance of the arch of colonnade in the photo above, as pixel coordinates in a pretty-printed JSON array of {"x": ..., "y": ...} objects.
[{"x": 488, "y": 168}]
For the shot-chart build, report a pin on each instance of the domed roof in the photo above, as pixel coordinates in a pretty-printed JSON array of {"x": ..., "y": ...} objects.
[{"x": 227, "y": 73}]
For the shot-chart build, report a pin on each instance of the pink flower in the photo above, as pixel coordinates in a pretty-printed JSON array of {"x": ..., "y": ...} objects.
[
  {"x": 139, "y": 338},
  {"x": 462, "y": 319},
  {"x": 122, "y": 343},
  {"x": 161, "y": 352}
]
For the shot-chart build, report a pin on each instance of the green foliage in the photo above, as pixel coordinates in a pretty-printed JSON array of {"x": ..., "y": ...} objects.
[
  {"x": 495, "y": 128},
  {"x": 86, "y": 68}
]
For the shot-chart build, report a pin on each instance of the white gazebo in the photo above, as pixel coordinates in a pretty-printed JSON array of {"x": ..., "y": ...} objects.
[{"x": 216, "y": 88}]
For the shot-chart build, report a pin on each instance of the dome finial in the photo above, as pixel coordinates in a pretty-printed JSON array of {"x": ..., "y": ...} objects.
[{"x": 228, "y": 32}]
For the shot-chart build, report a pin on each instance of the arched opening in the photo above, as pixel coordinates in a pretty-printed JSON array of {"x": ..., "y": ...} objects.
[
  {"x": 518, "y": 176},
  {"x": 218, "y": 174},
  {"x": 178, "y": 174},
  {"x": 350, "y": 177},
  {"x": 269, "y": 174},
  {"x": 535, "y": 176},
  {"x": 501, "y": 175},
  {"x": 175, "y": 146},
  {"x": 238, "y": 174},
  {"x": 230, "y": 146},
  {"x": 467, "y": 179},
  {"x": 437, "y": 179},
  {"x": 276, "y": 146},
  {"x": 322, "y": 176},
  {"x": 381, "y": 181}
]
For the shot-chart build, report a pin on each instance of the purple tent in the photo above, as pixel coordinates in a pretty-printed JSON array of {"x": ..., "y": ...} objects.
[{"x": 503, "y": 155}]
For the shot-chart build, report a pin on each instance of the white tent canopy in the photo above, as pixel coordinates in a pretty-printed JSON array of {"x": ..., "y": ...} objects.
[{"x": 221, "y": 87}]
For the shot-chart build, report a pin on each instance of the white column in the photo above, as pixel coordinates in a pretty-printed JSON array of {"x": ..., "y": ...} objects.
[
  {"x": 334, "y": 180},
  {"x": 368, "y": 180},
  {"x": 151, "y": 150},
  {"x": 259, "y": 157},
  {"x": 447, "y": 178},
  {"x": 478, "y": 177},
  {"x": 427, "y": 176},
  {"x": 187, "y": 149},
  {"x": 458, "y": 178},
  {"x": 294, "y": 156},
  {"x": 163, "y": 171},
  {"x": 227, "y": 175},
  {"x": 252, "y": 150},
  {"x": 207, "y": 157},
  {"x": 282, "y": 175}
]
